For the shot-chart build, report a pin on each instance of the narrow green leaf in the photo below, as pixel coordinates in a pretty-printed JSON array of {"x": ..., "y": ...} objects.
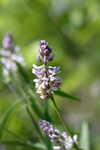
[
  {"x": 84, "y": 137},
  {"x": 6, "y": 116},
  {"x": 66, "y": 95}
]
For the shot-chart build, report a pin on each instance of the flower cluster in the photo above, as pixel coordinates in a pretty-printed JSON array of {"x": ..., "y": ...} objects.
[
  {"x": 47, "y": 80},
  {"x": 61, "y": 139},
  {"x": 9, "y": 55}
]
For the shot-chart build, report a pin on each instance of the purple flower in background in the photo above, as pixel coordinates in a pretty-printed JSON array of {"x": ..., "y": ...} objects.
[
  {"x": 9, "y": 56},
  {"x": 8, "y": 41}
]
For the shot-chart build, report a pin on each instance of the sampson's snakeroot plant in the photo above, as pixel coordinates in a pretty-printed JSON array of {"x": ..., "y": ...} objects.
[
  {"x": 47, "y": 80},
  {"x": 9, "y": 55},
  {"x": 60, "y": 140},
  {"x": 46, "y": 83}
]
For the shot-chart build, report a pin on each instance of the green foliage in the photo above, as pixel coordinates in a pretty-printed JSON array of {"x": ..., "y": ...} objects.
[
  {"x": 72, "y": 27},
  {"x": 6, "y": 117}
]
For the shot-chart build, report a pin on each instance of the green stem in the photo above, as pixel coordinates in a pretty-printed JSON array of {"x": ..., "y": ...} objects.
[
  {"x": 62, "y": 121},
  {"x": 59, "y": 115}
]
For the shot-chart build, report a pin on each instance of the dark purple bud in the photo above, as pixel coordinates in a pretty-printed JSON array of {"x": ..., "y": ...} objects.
[{"x": 45, "y": 51}]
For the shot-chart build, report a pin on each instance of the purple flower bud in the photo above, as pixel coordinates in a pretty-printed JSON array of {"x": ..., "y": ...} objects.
[
  {"x": 8, "y": 41},
  {"x": 45, "y": 52}
]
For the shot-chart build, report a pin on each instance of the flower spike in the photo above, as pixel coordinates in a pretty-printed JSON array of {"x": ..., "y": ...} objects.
[
  {"x": 47, "y": 80},
  {"x": 61, "y": 140}
]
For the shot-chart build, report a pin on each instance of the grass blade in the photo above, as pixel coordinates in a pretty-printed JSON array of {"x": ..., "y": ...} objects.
[{"x": 84, "y": 137}]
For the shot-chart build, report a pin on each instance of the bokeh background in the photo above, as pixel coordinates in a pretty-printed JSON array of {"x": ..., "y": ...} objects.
[{"x": 72, "y": 28}]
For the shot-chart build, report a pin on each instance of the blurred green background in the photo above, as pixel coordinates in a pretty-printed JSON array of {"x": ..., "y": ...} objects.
[{"x": 72, "y": 28}]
